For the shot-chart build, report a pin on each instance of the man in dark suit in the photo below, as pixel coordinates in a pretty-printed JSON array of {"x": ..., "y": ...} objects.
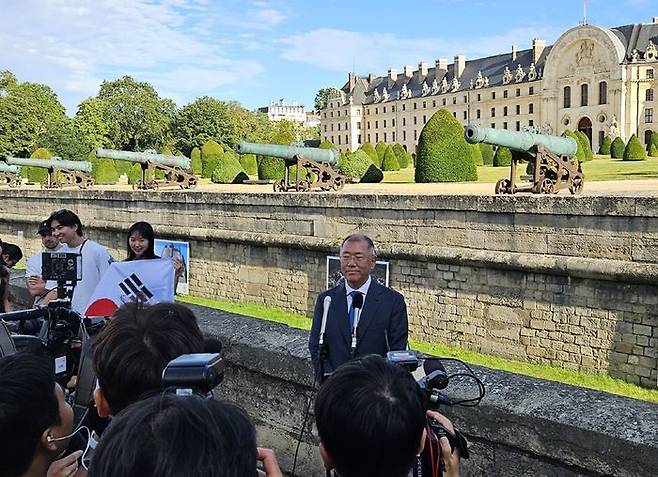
[{"x": 382, "y": 325}]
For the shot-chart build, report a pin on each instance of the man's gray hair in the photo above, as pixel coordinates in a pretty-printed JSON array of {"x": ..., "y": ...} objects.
[{"x": 361, "y": 238}]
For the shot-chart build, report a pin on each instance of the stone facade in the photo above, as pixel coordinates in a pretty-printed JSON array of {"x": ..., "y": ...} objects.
[
  {"x": 567, "y": 281},
  {"x": 598, "y": 80}
]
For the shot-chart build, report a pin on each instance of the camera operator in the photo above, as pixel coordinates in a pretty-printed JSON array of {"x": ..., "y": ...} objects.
[
  {"x": 131, "y": 352},
  {"x": 10, "y": 255},
  {"x": 371, "y": 419},
  {"x": 35, "y": 420},
  {"x": 67, "y": 228},
  {"x": 169, "y": 436},
  {"x": 41, "y": 290}
]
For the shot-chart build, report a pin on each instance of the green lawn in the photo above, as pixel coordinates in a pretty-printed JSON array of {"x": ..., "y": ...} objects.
[
  {"x": 550, "y": 373},
  {"x": 602, "y": 168}
]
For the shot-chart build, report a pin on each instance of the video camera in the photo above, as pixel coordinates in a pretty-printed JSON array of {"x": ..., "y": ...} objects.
[
  {"x": 191, "y": 374},
  {"x": 433, "y": 379}
]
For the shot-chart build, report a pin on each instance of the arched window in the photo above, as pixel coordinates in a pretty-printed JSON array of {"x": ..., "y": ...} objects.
[
  {"x": 603, "y": 92},
  {"x": 583, "y": 94},
  {"x": 567, "y": 96}
]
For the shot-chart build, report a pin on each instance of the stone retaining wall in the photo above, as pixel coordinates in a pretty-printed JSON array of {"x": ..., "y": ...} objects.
[{"x": 567, "y": 281}]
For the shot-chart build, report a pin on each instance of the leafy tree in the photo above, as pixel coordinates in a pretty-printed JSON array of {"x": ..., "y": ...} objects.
[
  {"x": 195, "y": 159},
  {"x": 604, "y": 149},
  {"x": 390, "y": 162},
  {"x": 94, "y": 124},
  {"x": 65, "y": 141},
  {"x": 487, "y": 154},
  {"x": 634, "y": 150},
  {"x": 617, "y": 148},
  {"x": 503, "y": 157},
  {"x": 141, "y": 118},
  {"x": 476, "y": 153},
  {"x": 322, "y": 97},
  {"x": 27, "y": 112},
  {"x": 443, "y": 155}
]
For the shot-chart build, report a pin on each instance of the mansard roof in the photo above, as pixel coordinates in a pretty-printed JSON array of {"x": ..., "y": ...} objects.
[{"x": 637, "y": 36}]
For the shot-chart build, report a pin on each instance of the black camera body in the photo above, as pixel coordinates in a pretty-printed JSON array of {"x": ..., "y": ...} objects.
[{"x": 196, "y": 373}]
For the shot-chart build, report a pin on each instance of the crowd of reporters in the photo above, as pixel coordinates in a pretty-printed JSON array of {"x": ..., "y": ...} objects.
[{"x": 370, "y": 415}]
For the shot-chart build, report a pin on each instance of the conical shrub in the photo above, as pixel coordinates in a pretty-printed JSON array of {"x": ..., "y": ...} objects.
[
  {"x": 604, "y": 149},
  {"x": 390, "y": 161},
  {"x": 210, "y": 154},
  {"x": 503, "y": 157},
  {"x": 195, "y": 159},
  {"x": 617, "y": 148},
  {"x": 634, "y": 150},
  {"x": 487, "y": 154},
  {"x": 476, "y": 152},
  {"x": 249, "y": 165}
]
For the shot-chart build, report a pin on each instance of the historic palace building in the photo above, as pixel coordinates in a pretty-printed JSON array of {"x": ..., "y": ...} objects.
[{"x": 601, "y": 81}]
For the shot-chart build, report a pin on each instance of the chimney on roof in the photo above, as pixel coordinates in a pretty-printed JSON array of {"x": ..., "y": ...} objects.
[
  {"x": 514, "y": 52},
  {"x": 392, "y": 74},
  {"x": 351, "y": 78},
  {"x": 441, "y": 64},
  {"x": 408, "y": 71},
  {"x": 537, "y": 49},
  {"x": 460, "y": 65},
  {"x": 422, "y": 69},
  {"x": 371, "y": 77}
]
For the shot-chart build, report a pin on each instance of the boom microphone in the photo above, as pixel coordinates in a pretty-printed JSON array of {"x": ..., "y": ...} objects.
[{"x": 357, "y": 304}]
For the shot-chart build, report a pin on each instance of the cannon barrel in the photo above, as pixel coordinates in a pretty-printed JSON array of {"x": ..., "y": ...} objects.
[
  {"x": 520, "y": 141},
  {"x": 144, "y": 157},
  {"x": 82, "y": 166},
  {"x": 12, "y": 169},
  {"x": 327, "y": 156}
]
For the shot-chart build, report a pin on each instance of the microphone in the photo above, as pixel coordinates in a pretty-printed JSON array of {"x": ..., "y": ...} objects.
[
  {"x": 435, "y": 373},
  {"x": 325, "y": 312},
  {"x": 357, "y": 304}
]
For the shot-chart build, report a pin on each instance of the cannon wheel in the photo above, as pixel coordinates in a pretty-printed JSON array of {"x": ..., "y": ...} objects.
[
  {"x": 576, "y": 186},
  {"x": 280, "y": 186},
  {"x": 503, "y": 186},
  {"x": 339, "y": 183}
]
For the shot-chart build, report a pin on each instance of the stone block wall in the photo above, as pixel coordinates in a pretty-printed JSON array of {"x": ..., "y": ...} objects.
[{"x": 567, "y": 281}]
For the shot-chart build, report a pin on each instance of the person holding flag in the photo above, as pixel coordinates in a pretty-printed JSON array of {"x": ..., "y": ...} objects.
[{"x": 139, "y": 245}]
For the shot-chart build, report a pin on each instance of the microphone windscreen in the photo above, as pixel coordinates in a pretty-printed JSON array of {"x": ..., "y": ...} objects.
[
  {"x": 357, "y": 301},
  {"x": 440, "y": 381}
]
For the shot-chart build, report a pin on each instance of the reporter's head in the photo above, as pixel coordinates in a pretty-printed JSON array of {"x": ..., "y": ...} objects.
[
  {"x": 131, "y": 352},
  {"x": 169, "y": 436},
  {"x": 371, "y": 419},
  {"x": 33, "y": 414}
]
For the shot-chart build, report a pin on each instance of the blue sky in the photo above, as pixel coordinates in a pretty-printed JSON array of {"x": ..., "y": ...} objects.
[{"x": 253, "y": 51}]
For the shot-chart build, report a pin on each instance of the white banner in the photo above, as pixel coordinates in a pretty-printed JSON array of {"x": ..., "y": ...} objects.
[{"x": 146, "y": 281}]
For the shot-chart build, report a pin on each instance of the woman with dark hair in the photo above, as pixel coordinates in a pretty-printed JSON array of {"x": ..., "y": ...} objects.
[
  {"x": 10, "y": 254},
  {"x": 140, "y": 246}
]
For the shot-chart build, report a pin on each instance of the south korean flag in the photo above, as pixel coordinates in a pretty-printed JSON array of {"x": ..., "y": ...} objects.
[{"x": 143, "y": 281}]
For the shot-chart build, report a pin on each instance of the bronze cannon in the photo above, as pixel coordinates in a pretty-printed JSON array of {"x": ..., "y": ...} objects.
[
  {"x": 177, "y": 169},
  {"x": 551, "y": 159},
  {"x": 60, "y": 173},
  {"x": 317, "y": 163},
  {"x": 10, "y": 175}
]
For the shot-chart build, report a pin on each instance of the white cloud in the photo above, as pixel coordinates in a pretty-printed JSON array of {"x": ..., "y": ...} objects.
[
  {"x": 375, "y": 52},
  {"x": 70, "y": 46}
]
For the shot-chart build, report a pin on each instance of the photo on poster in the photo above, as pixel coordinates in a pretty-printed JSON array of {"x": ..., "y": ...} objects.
[
  {"x": 181, "y": 250},
  {"x": 335, "y": 277}
]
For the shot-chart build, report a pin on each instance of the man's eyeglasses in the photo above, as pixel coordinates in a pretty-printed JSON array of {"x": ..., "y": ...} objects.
[{"x": 358, "y": 258}]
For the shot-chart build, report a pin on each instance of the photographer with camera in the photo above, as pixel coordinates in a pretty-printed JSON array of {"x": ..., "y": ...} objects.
[
  {"x": 67, "y": 228},
  {"x": 42, "y": 291},
  {"x": 372, "y": 420},
  {"x": 35, "y": 419},
  {"x": 169, "y": 435}
]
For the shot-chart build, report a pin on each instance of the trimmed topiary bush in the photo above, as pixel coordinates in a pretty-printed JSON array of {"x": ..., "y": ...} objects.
[
  {"x": 487, "y": 154},
  {"x": 390, "y": 161},
  {"x": 401, "y": 155},
  {"x": 370, "y": 150},
  {"x": 249, "y": 165},
  {"x": 210, "y": 154},
  {"x": 476, "y": 154},
  {"x": 580, "y": 152},
  {"x": 380, "y": 149},
  {"x": 229, "y": 170},
  {"x": 195, "y": 159},
  {"x": 634, "y": 150},
  {"x": 135, "y": 174},
  {"x": 327, "y": 144},
  {"x": 443, "y": 155},
  {"x": 503, "y": 157},
  {"x": 617, "y": 148},
  {"x": 653, "y": 150},
  {"x": 587, "y": 146},
  {"x": 359, "y": 166},
  {"x": 653, "y": 139},
  {"x": 604, "y": 149},
  {"x": 103, "y": 170},
  {"x": 37, "y": 174},
  {"x": 271, "y": 168}
]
